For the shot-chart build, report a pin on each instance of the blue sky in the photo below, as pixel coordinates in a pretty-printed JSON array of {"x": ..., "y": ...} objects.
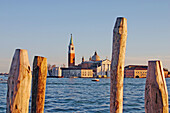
[{"x": 44, "y": 28}]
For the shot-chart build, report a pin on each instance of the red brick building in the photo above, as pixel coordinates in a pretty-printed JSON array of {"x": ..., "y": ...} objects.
[
  {"x": 139, "y": 71},
  {"x": 71, "y": 53}
]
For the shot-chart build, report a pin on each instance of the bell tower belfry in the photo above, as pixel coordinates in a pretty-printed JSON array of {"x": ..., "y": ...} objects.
[{"x": 71, "y": 53}]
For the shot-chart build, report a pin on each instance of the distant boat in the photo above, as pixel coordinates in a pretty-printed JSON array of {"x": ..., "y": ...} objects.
[
  {"x": 73, "y": 77},
  {"x": 97, "y": 80},
  {"x": 3, "y": 80}
]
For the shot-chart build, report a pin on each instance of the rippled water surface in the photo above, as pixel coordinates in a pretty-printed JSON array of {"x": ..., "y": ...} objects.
[{"x": 85, "y": 96}]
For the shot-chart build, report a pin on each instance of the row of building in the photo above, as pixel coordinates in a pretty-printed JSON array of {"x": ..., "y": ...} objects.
[
  {"x": 86, "y": 69},
  {"x": 140, "y": 71},
  {"x": 3, "y": 73},
  {"x": 130, "y": 71},
  {"x": 95, "y": 67}
]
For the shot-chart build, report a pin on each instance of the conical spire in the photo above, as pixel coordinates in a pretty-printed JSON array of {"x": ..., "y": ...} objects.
[
  {"x": 95, "y": 53},
  {"x": 83, "y": 59},
  {"x": 71, "y": 40}
]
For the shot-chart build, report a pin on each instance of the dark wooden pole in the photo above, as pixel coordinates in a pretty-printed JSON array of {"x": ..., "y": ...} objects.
[
  {"x": 156, "y": 94},
  {"x": 19, "y": 83},
  {"x": 39, "y": 84},
  {"x": 117, "y": 65}
]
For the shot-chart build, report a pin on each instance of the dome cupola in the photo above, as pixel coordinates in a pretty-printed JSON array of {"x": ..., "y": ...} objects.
[{"x": 95, "y": 57}]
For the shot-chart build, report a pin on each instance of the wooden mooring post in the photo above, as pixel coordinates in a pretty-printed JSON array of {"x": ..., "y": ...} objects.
[
  {"x": 19, "y": 83},
  {"x": 117, "y": 65},
  {"x": 39, "y": 84},
  {"x": 156, "y": 94}
]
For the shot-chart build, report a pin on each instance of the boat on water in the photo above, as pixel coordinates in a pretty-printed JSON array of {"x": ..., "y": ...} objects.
[
  {"x": 74, "y": 77},
  {"x": 3, "y": 80},
  {"x": 97, "y": 80}
]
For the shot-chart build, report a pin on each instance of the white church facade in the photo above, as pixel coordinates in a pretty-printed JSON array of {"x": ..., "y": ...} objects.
[{"x": 101, "y": 68}]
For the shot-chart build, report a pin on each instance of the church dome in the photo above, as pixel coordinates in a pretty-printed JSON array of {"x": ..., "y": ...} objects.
[{"x": 95, "y": 57}]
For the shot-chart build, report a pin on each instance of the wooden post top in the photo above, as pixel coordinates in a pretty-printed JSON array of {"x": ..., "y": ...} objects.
[{"x": 120, "y": 26}]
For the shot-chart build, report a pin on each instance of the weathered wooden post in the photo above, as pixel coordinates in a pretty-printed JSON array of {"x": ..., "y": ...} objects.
[
  {"x": 156, "y": 94},
  {"x": 39, "y": 84},
  {"x": 117, "y": 65},
  {"x": 19, "y": 83}
]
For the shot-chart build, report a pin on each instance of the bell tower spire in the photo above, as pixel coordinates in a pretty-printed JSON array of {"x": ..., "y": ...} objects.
[
  {"x": 71, "y": 40},
  {"x": 71, "y": 53}
]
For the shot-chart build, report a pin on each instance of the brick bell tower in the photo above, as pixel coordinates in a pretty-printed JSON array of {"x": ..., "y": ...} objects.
[{"x": 71, "y": 53}]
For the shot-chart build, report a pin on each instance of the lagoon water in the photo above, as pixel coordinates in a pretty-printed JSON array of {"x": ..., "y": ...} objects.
[{"x": 64, "y": 95}]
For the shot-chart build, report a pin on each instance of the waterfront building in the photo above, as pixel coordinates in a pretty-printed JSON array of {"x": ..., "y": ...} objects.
[
  {"x": 56, "y": 71},
  {"x": 135, "y": 71},
  {"x": 4, "y": 73},
  {"x": 101, "y": 68},
  {"x": 166, "y": 72},
  {"x": 104, "y": 69},
  {"x": 76, "y": 72},
  {"x": 71, "y": 53},
  {"x": 138, "y": 71}
]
